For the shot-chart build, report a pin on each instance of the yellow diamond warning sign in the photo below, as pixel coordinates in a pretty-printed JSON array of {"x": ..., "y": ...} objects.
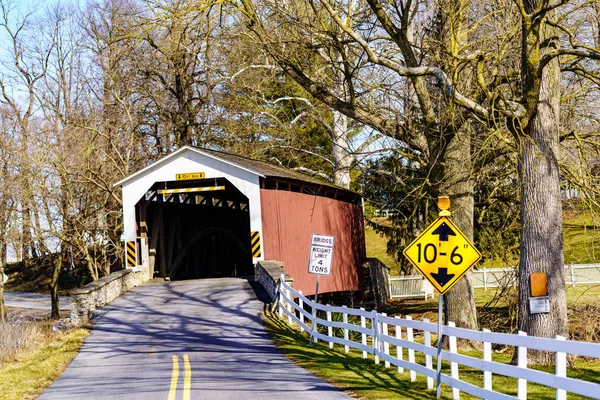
[{"x": 442, "y": 253}]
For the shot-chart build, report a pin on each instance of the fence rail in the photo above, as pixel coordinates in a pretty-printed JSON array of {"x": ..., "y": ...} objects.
[
  {"x": 371, "y": 333},
  {"x": 414, "y": 286},
  {"x": 575, "y": 274}
]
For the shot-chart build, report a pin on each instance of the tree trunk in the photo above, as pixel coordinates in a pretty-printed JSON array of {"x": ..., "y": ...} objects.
[
  {"x": 27, "y": 245},
  {"x": 27, "y": 249},
  {"x": 539, "y": 176},
  {"x": 2, "y": 263},
  {"x": 3, "y": 247},
  {"x": 457, "y": 183},
  {"x": 92, "y": 267},
  {"x": 340, "y": 152},
  {"x": 55, "y": 313},
  {"x": 456, "y": 171},
  {"x": 2, "y": 308},
  {"x": 541, "y": 216}
]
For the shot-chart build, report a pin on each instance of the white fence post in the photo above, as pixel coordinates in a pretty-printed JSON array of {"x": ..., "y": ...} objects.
[
  {"x": 289, "y": 306},
  {"x": 329, "y": 329},
  {"x": 346, "y": 337},
  {"x": 453, "y": 365},
  {"x": 411, "y": 352},
  {"x": 375, "y": 326},
  {"x": 386, "y": 345},
  {"x": 572, "y": 275},
  {"x": 281, "y": 296},
  {"x": 522, "y": 363},
  {"x": 399, "y": 351},
  {"x": 561, "y": 370},
  {"x": 301, "y": 304},
  {"x": 487, "y": 356},
  {"x": 428, "y": 358},
  {"x": 315, "y": 324},
  {"x": 484, "y": 279},
  {"x": 363, "y": 324}
]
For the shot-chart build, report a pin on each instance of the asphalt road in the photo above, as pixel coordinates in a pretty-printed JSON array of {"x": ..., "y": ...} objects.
[
  {"x": 33, "y": 300},
  {"x": 200, "y": 339}
]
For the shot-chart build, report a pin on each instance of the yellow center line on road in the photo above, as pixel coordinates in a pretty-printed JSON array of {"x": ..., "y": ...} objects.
[
  {"x": 174, "y": 379},
  {"x": 187, "y": 379}
]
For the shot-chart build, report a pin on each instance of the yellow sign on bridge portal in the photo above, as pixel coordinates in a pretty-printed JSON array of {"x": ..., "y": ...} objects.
[
  {"x": 189, "y": 176},
  {"x": 442, "y": 253}
]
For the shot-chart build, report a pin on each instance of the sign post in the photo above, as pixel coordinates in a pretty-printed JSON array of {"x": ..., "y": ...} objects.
[
  {"x": 319, "y": 263},
  {"x": 443, "y": 255},
  {"x": 439, "y": 346}
]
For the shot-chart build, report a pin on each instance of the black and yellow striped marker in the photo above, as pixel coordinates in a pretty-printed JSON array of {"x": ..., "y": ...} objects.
[
  {"x": 131, "y": 259},
  {"x": 191, "y": 190},
  {"x": 255, "y": 241}
]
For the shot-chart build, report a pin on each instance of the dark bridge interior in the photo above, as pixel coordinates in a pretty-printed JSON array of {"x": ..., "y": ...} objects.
[{"x": 198, "y": 234}]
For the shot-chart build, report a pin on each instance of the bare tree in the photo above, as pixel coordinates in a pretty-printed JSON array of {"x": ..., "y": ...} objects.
[
  {"x": 7, "y": 201},
  {"x": 25, "y": 67},
  {"x": 376, "y": 101},
  {"x": 520, "y": 98}
]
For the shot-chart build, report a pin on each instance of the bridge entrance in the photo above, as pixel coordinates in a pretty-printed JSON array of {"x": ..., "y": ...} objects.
[{"x": 195, "y": 229}]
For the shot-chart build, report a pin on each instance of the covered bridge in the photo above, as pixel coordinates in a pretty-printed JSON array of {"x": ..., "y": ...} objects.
[{"x": 201, "y": 213}]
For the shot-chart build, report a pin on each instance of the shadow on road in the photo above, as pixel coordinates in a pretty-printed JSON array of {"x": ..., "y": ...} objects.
[{"x": 216, "y": 322}]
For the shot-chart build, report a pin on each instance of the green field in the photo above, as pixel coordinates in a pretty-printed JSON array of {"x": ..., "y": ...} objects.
[
  {"x": 582, "y": 239},
  {"x": 377, "y": 248}
]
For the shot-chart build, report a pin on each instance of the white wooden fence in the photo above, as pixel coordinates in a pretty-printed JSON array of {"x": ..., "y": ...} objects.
[
  {"x": 373, "y": 335},
  {"x": 575, "y": 274},
  {"x": 412, "y": 286}
]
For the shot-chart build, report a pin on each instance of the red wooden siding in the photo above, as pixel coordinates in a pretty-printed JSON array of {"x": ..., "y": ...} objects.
[{"x": 288, "y": 221}]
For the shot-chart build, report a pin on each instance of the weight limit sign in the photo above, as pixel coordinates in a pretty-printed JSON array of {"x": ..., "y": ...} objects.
[{"x": 321, "y": 254}]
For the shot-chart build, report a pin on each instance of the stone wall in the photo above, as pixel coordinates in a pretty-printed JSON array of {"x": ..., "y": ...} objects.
[
  {"x": 268, "y": 273},
  {"x": 97, "y": 294}
]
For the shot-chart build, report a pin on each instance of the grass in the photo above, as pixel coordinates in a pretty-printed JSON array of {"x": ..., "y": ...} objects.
[
  {"x": 581, "y": 235},
  {"x": 377, "y": 248},
  {"x": 17, "y": 337},
  {"x": 349, "y": 372},
  {"x": 27, "y": 372},
  {"x": 362, "y": 378}
]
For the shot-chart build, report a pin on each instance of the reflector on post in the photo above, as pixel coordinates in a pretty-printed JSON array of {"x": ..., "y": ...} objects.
[
  {"x": 444, "y": 205},
  {"x": 538, "y": 284}
]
